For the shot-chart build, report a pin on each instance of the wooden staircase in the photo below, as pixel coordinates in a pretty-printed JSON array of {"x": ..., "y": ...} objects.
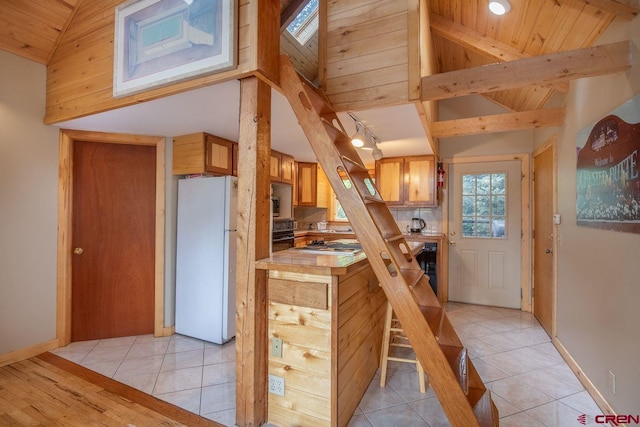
[{"x": 453, "y": 377}]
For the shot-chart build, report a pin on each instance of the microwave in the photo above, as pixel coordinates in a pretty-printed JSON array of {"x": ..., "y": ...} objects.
[{"x": 275, "y": 206}]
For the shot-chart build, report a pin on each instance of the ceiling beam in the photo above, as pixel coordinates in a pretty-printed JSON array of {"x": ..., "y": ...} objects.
[
  {"x": 498, "y": 123},
  {"x": 479, "y": 43},
  {"x": 537, "y": 70},
  {"x": 290, "y": 12},
  {"x": 625, "y": 9}
]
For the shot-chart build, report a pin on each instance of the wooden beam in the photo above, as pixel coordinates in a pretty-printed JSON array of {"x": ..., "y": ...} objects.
[
  {"x": 254, "y": 202},
  {"x": 498, "y": 123},
  {"x": 538, "y": 70},
  {"x": 624, "y": 9},
  {"x": 290, "y": 12},
  {"x": 481, "y": 44}
]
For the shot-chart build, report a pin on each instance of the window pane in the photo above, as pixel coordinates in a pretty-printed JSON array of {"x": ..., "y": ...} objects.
[
  {"x": 468, "y": 227},
  {"x": 468, "y": 184},
  {"x": 483, "y": 205},
  {"x": 497, "y": 227},
  {"x": 483, "y": 227},
  {"x": 498, "y": 183},
  {"x": 498, "y": 205},
  {"x": 484, "y": 184},
  {"x": 468, "y": 205}
]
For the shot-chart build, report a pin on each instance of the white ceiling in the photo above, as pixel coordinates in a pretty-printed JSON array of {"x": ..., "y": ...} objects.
[{"x": 215, "y": 109}]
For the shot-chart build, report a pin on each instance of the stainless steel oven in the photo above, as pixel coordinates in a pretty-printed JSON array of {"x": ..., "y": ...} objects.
[{"x": 282, "y": 235}]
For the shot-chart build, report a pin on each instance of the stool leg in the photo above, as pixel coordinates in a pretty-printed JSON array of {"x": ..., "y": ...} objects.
[
  {"x": 384, "y": 353},
  {"x": 421, "y": 377}
]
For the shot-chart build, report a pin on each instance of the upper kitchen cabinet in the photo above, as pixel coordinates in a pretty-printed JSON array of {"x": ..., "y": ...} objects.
[
  {"x": 314, "y": 189},
  {"x": 407, "y": 181},
  {"x": 281, "y": 168},
  {"x": 202, "y": 153}
]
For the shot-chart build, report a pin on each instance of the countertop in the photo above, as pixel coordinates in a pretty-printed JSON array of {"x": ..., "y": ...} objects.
[
  {"x": 296, "y": 260},
  {"x": 409, "y": 237}
]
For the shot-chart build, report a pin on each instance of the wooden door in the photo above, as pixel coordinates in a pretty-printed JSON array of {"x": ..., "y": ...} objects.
[
  {"x": 543, "y": 239},
  {"x": 113, "y": 236},
  {"x": 485, "y": 233}
]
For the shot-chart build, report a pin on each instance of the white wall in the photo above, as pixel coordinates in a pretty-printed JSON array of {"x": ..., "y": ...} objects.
[
  {"x": 28, "y": 207},
  {"x": 598, "y": 318}
]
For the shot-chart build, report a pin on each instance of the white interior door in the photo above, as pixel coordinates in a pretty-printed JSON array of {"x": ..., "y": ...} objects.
[{"x": 485, "y": 233}]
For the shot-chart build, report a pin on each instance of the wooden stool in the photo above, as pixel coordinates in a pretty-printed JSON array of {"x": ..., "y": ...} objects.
[{"x": 394, "y": 337}]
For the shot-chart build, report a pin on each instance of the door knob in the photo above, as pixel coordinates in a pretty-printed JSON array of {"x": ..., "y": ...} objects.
[
  {"x": 452, "y": 242},
  {"x": 78, "y": 251},
  {"x": 548, "y": 251}
]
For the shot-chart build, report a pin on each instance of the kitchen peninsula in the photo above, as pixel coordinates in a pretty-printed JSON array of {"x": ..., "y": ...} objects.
[{"x": 329, "y": 312}]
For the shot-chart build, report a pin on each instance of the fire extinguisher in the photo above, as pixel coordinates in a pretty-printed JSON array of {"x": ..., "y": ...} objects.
[{"x": 440, "y": 176}]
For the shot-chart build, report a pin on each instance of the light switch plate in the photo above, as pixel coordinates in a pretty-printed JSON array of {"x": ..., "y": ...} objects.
[{"x": 276, "y": 347}]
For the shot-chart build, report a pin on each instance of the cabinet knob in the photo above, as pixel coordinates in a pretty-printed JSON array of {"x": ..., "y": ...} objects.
[
  {"x": 452, "y": 242},
  {"x": 78, "y": 251}
]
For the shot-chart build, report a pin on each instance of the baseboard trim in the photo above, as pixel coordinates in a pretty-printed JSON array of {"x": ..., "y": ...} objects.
[
  {"x": 583, "y": 378},
  {"x": 28, "y": 352}
]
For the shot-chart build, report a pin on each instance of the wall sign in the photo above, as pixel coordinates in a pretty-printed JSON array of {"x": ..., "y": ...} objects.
[
  {"x": 157, "y": 42},
  {"x": 608, "y": 174}
]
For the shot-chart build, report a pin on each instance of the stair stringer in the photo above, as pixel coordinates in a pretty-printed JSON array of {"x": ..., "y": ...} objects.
[{"x": 386, "y": 251}]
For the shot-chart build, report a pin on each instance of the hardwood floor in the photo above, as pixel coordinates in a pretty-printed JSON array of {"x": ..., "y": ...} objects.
[{"x": 49, "y": 390}]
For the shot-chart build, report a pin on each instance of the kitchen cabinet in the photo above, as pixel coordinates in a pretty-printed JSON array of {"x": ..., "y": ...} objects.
[
  {"x": 202, "y": 153},
  {"x": 407, "y": 181},
  {"x": 281, "y": 167},
  {"x": 313, "y": 186},
  {"x": 295, "y": 183},
  {"x": 287, "y": 169},
  {"x": 275, "y": 168}
]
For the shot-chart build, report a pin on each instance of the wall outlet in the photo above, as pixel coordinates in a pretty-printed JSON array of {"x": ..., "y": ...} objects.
[
  {"x": 611, "y": 382},
  {"x": 276, "y": 347},
  {"x": 276, "y": 385}
]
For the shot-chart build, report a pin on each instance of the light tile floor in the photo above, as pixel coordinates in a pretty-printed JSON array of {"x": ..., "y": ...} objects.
[{"x": 530, "y": 382}]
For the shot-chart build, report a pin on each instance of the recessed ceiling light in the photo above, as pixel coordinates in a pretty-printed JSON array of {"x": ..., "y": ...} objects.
[{"x": 499, "y": 7}]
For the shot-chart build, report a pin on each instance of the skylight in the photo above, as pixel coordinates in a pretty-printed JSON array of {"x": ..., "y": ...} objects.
[{"x": 305, "y": 25}]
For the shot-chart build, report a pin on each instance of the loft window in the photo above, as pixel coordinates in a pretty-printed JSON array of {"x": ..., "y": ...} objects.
[{"x": 305, "y": 25}]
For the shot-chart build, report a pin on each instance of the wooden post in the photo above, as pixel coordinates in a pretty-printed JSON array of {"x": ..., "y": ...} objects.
[{"x": 254, "y": 216}]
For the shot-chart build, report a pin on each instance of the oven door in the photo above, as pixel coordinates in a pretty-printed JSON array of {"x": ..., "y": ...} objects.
[{"x": 282, "y": 241}]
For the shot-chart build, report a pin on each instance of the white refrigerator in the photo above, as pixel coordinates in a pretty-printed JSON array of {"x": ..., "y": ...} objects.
[{"x": 206, "y": 258}]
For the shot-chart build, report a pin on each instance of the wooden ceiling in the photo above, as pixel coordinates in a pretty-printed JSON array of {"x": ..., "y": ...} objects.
[
  {"x": 465, "y": 34},
  {"x": 31, "y": 29}
]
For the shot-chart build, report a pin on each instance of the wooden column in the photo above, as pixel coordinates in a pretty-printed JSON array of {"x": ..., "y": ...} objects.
[{"x": 253, "y": 244}]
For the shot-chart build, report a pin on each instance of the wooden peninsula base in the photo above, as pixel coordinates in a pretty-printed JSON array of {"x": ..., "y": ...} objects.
[{"x": 329, "y": 312}]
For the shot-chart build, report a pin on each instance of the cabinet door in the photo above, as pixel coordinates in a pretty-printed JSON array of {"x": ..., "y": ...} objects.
[
  {"x": 219, "y": 153},
  {"x": 286, "y": 170},
  {"x": 324, "y": 192},
  {"x": 390, "y": 180},
  {"x": 420, "y": 185},
  {"x": 275, "y": 169},
  {"x": 307, "y": 183},
  {"x": 189, "y": 154}
]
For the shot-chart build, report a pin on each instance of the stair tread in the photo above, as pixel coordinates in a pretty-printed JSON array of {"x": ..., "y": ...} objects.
[
  {"x": 485, "y": 411},
  {"x": 458, "y": 360}
]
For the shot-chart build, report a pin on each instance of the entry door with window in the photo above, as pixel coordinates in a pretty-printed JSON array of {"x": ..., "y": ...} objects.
[{"x": 485, "y": 233}]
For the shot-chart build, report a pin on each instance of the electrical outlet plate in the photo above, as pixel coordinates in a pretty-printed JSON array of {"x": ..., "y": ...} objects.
[
  {"x": 276, "y": 347},
  {"x": 276, "y": 385}
]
